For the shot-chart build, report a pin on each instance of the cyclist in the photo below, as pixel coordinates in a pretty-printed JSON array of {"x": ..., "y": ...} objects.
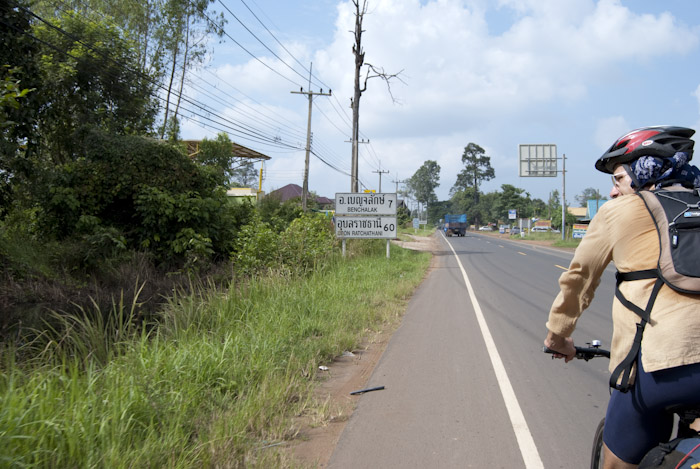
[{"x": 668, "y": 366}]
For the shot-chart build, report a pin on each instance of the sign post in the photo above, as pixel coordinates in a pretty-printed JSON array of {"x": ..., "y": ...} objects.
[
  {"x": 365, "y": 216},
  {"x": 540, "y": 160}
]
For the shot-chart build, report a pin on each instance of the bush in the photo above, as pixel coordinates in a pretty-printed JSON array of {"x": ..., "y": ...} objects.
[
  {"x": 137, "y": 193},
  {"x": 256, "y": 248},
  {"x": 307, "y": 243},
  {"x": 304, "y": 246},
  {"x": 279, "y": 215}
]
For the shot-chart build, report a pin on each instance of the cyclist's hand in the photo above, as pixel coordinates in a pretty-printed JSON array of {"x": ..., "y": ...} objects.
[{"x": 564, "y": 346}]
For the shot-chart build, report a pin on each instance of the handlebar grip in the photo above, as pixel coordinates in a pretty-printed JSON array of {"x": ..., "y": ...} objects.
[{"x": 583, "y": 353}]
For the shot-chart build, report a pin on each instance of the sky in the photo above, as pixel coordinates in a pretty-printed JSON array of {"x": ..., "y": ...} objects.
[{"x": 574, "y": 73}]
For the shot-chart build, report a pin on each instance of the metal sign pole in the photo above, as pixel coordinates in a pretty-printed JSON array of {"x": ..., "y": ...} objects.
[{"x": 563, "y": 198}]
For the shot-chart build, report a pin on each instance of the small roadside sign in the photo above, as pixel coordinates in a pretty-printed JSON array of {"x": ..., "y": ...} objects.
[
  {"x": 355, "y": 203},
  {"x": 579, "y": 231},
  {"x": 365, "y": 227}
]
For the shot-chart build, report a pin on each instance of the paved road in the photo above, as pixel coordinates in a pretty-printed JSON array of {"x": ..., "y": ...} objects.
[{"x": 466, "y": 383}]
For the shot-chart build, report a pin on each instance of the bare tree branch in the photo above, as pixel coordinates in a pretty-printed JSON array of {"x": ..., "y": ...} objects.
[{"x": 378, "y": 72}]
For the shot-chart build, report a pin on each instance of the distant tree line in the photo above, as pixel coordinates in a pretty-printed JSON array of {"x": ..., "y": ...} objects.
[{"x": 482, "y": 208}]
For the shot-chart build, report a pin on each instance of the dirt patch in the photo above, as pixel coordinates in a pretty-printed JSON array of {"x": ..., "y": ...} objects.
[
  {"x": 320, "y": 428},
  {"x": 419, "y": 243}
]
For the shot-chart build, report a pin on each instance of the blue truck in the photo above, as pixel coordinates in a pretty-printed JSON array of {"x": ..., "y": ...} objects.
[{"x": 455, "y": 225}]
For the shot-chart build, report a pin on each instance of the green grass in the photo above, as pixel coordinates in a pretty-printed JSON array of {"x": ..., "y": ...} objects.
[
  {"x": 555, "y": 238},
  {"x": 423, "y": 230},
  {"x": 220, "y": 377},
  {"x": 567, "y": 243}
]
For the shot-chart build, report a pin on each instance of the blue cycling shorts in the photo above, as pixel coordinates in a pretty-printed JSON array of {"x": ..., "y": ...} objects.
[{"x": 637, "y": 421}]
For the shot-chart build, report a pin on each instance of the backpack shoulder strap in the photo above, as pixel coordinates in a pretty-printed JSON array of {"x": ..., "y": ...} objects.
[{"x": 624, "y": 368}]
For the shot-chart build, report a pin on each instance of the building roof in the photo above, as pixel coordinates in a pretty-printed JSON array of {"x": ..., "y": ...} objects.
[
  {"x": 577, "y": 211},
  {"x": 239, "y": 151},
  {"x": 291, "y": 191}
]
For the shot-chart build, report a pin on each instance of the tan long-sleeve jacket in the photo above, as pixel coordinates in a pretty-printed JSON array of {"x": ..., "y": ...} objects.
[{"x": 623, "y": 232}]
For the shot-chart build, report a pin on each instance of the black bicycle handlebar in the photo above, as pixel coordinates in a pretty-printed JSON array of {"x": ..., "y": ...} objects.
[{"x": 585, "y": 353}]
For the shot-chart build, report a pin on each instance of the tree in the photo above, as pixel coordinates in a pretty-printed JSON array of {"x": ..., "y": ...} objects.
[
  {"x": 371, "y": 72},
  {"x": 94, "y": 84},
  {"x": 553, "y": 204},
  {"x": 477, "y": 168},
  {"x": 424, "y": 181},
  {"x": 186, "y": 27},
  {"x": 556, "y": 219},
  {"x": 511, "y": 198},
  {"x": 244, "y": 174},
  {"x": 539, "y": 209},
  {"x": 217, "y": 157},
  {"x": 588, "y": 193},
  {"x": 19, "y": 102}
]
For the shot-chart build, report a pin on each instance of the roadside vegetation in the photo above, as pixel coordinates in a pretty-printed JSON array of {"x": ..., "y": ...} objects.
[
  {"x": 146, "y": 319},
  {"x": 211, "y": 380},
  {"x": 554, "y": 238}
]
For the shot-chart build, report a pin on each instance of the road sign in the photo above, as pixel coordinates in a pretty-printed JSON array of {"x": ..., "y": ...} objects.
[
  {"x": 365, "y": 227},
  {"x": 355, "y": 203},
  {"x": 538, "y": 160}
]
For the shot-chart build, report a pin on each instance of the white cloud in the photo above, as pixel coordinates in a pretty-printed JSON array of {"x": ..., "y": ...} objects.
[
  {"x": 455, "y": 70},
  {"x": 543, "y": 77}
]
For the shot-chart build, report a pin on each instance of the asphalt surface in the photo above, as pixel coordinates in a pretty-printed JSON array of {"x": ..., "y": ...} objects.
[{"x": 465, "y": 381}]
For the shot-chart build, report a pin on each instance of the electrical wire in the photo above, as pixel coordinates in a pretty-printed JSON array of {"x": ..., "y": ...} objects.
[
  {"x": 218, "y": 121},
  {"x": 242, "y": 130},
  {"x": 282, "y": 45}
]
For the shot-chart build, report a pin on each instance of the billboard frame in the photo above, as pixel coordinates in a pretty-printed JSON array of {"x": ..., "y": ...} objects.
[{"x": 537, "y": 160}]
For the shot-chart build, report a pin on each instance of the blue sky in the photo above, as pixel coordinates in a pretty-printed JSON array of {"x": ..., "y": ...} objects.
[{"x": 575, "y": 73}]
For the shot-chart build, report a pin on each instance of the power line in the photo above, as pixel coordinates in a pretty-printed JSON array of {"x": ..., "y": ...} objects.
[
  {"x": 223, "y": 31},
  {"x": 282, "y": 45},
  {"x": 251, "y": 134},
  {"x": 258, "y": 39}
]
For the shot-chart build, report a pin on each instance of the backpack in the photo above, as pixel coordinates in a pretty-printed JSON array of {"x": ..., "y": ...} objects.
[
  {"x": 676, "y": 214},
  {"x": 681, "y": 453}
]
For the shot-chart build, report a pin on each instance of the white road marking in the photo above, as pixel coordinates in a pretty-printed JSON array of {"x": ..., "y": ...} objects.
[{"x": 528, "y": 450}]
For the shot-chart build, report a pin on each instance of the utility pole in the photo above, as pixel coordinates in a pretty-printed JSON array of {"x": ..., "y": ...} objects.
[
  {"x": 310, "y": 94},
  {"x": 354, "y": 179},
  {"x": 380, "y": 178}
]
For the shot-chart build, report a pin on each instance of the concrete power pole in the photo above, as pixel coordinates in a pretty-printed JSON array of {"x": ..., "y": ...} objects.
[
  {"x": 380, "y": 178},
  {"x": 310, "y": 94}
]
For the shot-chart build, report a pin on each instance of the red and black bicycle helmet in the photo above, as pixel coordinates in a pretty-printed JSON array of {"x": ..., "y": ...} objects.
[{"x": 662, "y": 141}]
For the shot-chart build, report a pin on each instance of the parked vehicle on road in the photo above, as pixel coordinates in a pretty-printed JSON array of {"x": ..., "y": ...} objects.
[{"x": 485, "y": 228}]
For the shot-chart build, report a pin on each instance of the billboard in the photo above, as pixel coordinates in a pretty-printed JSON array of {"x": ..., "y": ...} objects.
[{"x": 538, "y": 160}]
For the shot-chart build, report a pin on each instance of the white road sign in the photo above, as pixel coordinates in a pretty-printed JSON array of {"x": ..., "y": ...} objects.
[
  {"x": 365, "y": 227},
  {"x": 355, "y": 203}
]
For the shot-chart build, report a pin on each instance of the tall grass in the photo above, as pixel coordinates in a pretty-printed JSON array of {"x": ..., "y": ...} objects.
[{"x": 217, "y": 381}]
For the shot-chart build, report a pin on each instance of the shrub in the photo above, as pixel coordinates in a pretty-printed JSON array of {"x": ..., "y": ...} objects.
[
  {"x": 307, "y": 242},
  {"x": 256, "y": 248}
]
